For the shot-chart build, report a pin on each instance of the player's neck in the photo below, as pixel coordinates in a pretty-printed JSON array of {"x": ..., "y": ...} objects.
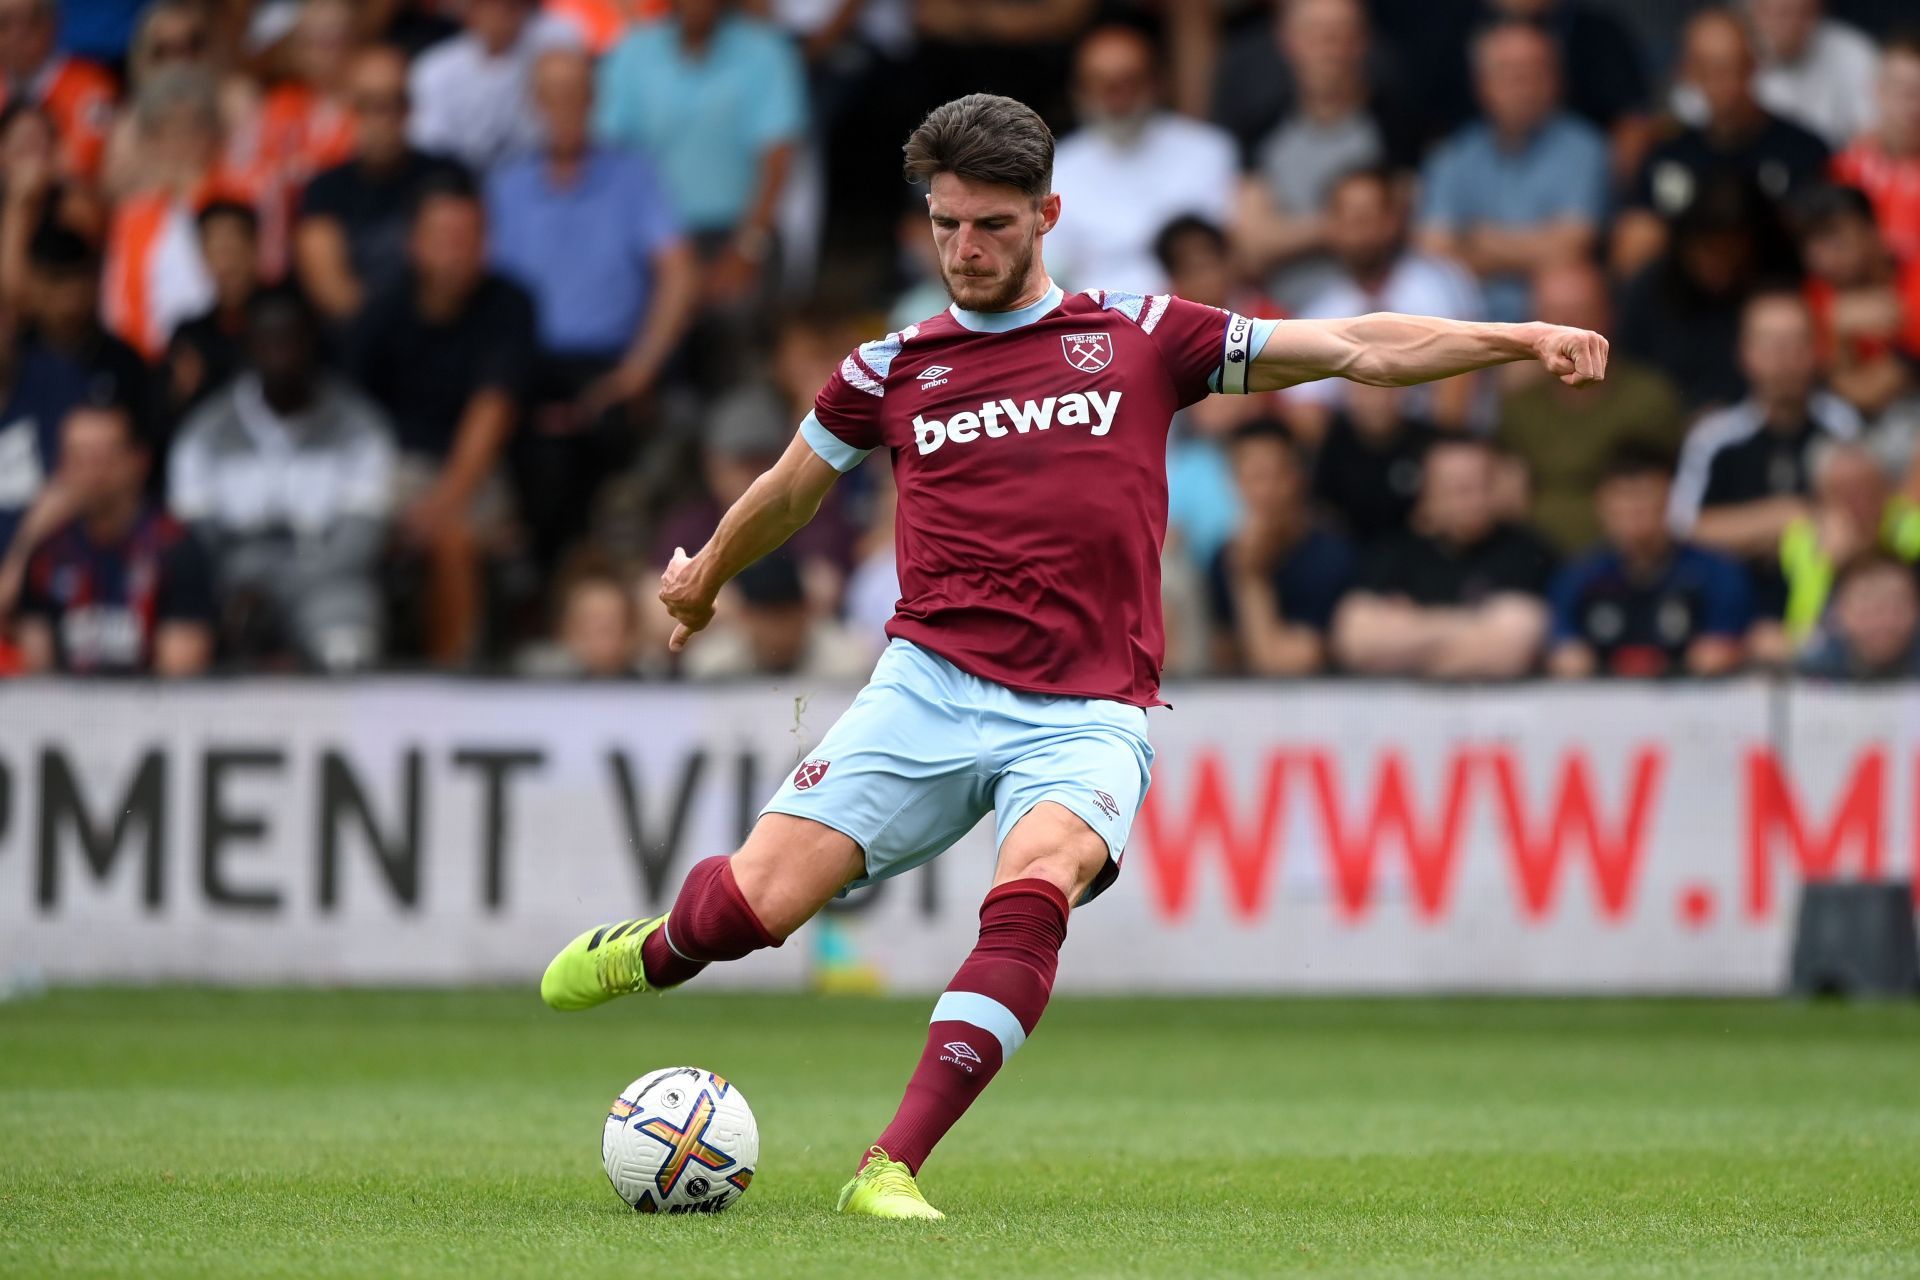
[{"x": 1041, "y": 297}]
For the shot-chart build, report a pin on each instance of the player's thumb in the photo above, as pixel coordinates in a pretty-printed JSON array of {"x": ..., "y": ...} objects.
[{"x": 678, "y": 640}]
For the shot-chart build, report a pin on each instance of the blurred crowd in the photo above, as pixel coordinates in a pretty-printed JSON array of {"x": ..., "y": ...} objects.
[{"x": 368, "y": 334}]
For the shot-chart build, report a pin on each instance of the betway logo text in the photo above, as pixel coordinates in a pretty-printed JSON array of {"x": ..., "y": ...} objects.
[{"x": 999, "y": 417}]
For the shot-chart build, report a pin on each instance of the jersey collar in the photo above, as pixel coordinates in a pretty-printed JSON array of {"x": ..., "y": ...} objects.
[{"x": 1002, "y": 321}]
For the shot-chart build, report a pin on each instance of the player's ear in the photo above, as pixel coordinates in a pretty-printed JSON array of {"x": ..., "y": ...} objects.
[{"x": 1049, "y": 211}]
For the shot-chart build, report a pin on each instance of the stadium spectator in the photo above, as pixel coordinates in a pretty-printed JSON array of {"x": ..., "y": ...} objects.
[
  {"x": 1642, "y": 604},
  {"x": 121, "y": 587},
  {"x": 742, "y": 435},
  {"x": 1130, "y": 168},
  {"x": 155, "y": 276},
  {"x": 873, "y": 584},
  {"x": 206, "y": 351},
  {"x": 1604, "y": 66},
  {"x": 61, "y": 339},
  {"x": 597, "y": 634},
  {"x": 1814, "y": 70},
  {"x": 172, "y": 36},
  {"x": 471, "y": 95},
  {"x": 1744, "y": 474},
  {"x": 717, "y": 99},
  {"x": 448, "y": 353},
  {"x": 1566, "y": 435},
  {"x": 35, "y": 196},
  {"x": 304, "y": 123},
  {"x": 1525, "y": 186},
  {"x": 1202, "y": 508},
  {"x": 1368, "y": 469},
  {"x": 1366, "y": 217},
  {"x": 1459, "y": 596},
  {"x": 1854, "y": 510},
  {"x": 1335, "y": 124},
  {"x": 1736, "y": 135},
  {"x": 1273, "y": 587},
  {"x": 1865, "y": 302},
  {"x": 286, "y": 476},
  {"x": 767, "y": 629},
  {"x": 1885, "y": 161},
  {"x": 1681, "y": 313},
  {"x": 76, "y": 94},
  {"x": 1874, "y": 633},
  {"x": 350, "y": 242},
  {"x": 588, "y": 232}
]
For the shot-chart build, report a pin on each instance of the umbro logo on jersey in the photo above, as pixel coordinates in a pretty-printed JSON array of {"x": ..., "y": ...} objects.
[
  {"x": 996, "y": 417},
  {"x": 934, "y": 375}
]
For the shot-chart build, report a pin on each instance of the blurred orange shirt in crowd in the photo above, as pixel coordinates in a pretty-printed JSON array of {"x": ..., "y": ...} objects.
[
  {"x": 1893, "y": 184},
  {"x": 1871, "y": 346},
  {"x": 299, "y": 134},
  {"x": 154, "y": 276},
  {"x": 79, "y": 96},
  {"x": 601, "y": 23}
]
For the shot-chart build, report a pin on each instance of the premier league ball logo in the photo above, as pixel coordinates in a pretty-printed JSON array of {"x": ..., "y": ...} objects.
[
  {"x": 809, "y": 773},
  {"x": 1087, "y": 352}
]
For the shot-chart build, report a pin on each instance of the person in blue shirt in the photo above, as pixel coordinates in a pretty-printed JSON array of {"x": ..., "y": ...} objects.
[
  {"x": 1643, "y": 604},
  {"x": 1524, "y": 187},
  {"x": 1272, "y": 588},
  {"x": 588, "y": 231},
  {"x": 718, "y": 100}
]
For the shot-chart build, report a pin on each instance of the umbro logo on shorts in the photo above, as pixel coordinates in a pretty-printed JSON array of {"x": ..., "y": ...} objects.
[
  {"x": 809, "y": 773},
  {"x": 1107, "y": 804}
]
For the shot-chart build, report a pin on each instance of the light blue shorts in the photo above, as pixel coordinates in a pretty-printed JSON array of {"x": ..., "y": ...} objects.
[{"x": 926, "y": 750}]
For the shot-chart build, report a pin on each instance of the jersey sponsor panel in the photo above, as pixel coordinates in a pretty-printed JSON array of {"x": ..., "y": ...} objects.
[{"x": 1030, "y": 462}]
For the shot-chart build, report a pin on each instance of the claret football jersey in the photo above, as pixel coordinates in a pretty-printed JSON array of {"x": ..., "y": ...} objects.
[{"x": 1029, "y": 450}]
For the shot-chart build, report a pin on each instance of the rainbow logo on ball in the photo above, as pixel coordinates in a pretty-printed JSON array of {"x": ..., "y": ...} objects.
[{"x": 685, "y": 1144}]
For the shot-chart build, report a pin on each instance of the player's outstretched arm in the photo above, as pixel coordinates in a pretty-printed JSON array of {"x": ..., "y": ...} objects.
[
  {"x": 772, "y": 509},
  {"x": 1386, "y": 349}
]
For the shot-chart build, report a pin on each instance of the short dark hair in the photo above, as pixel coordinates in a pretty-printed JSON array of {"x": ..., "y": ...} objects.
[
  {"x": 443, "y": 184},
  {"x": 1188, "y": 225},
  {"x": 1380, "y": 175},
  {"x": 1816, "y": 208},
  {"x": 985, "y": 138},
  {"x": 60, "y": 250},
  {"x": 1267, "y": 430},
  {"x": 772, "y": 582},
  {"x": 214, "y": 210},
  {"x": 286, "y": 296},
  {"x": 1635, "y": 459}
]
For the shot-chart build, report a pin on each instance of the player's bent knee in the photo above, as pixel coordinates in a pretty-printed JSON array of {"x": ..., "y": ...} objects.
[
  {"x": 790, "y": 867},
  {"x": 1054, "y": 844}
]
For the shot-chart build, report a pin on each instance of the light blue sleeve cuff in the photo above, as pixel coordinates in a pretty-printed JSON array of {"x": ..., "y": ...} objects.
[
  {"x": 1251, "y": 345},
  {"x": 837, "y": 453}
]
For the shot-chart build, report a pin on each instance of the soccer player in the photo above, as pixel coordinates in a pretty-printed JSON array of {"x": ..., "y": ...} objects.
[{"x": 1028, "y": 430}]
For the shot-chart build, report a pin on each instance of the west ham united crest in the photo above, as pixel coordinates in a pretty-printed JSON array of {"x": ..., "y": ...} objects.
[
  {"x": 809, "y": 773},
  {"x": 1088, "y": 352}
]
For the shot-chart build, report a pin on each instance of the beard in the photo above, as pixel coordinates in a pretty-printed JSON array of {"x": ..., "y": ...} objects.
[{"x": 990, "y": 293}]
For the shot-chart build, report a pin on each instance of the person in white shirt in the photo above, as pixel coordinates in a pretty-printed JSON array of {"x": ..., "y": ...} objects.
[
  {"x": 1814, "y": 70},
  {"x": 471, "y": 95},
  {"x": 1131, "y": 168}
]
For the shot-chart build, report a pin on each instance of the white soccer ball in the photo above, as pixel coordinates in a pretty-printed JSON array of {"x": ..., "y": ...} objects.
[{"x": 680, "y": 1140}]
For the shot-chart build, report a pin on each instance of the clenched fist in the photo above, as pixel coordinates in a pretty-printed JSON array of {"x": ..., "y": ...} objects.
[{"x": 690, "y": 602}]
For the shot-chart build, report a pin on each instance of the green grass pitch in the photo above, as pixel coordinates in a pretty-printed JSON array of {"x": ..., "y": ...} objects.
[{"x": 194, "y": 1133}]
